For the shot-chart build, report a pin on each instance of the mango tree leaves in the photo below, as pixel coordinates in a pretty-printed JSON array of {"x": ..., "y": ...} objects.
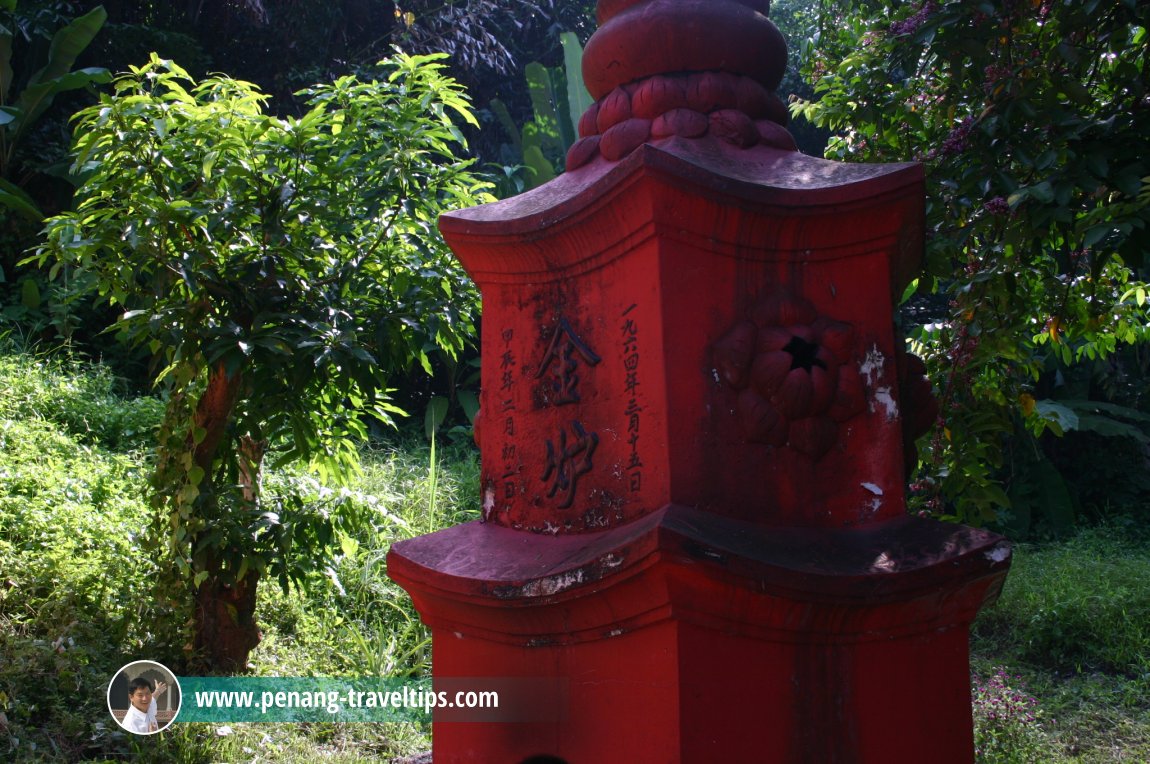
[{"x": 298, "y": 257}]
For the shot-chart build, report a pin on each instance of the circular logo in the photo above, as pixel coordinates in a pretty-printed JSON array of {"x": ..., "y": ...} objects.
[{"x": 144, "y": 697}]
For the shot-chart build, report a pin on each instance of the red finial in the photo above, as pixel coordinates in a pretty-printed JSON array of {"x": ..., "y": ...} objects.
[
  {"x": 605, "y": 9},
  {"x": 686, "y": 68}
]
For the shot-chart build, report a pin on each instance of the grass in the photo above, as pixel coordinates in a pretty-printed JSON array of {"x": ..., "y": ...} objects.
[
  {"x": 1061, "y": 671},
  {"x": 75, "y": 600},
  {"x": 1072, "y": 630}
]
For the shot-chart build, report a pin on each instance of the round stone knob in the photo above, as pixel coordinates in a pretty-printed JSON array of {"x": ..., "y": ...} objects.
[
  {"x": 605, "y": 9},
  {"x": 641, "y": 38}
]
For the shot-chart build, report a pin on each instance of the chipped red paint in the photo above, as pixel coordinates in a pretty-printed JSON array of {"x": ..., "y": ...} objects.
[{"x": 693, "y": 428}]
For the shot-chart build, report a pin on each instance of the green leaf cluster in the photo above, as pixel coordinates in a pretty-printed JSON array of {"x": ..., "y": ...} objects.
[
  {"x": 292, "y": 263},
  {"x": 1031, "y": 118},
  {"x": 558, "y": 99},
  {"x": 23, "y": 102}
]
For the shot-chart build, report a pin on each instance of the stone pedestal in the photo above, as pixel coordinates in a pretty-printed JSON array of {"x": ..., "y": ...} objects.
[{"x": 694, "y": 422}]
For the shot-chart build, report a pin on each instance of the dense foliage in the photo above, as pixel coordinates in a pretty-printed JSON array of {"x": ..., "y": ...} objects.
[
  {"x": 77, "y": 595},
  {"x": 281, "y": 45},
  {"x": 1032, "y": 117},
  {"x": 280, "y": 270},
  {"x": 39, "y": 48},
  {"x": 24, "y": 99},
  {"x": 284, "y": 44}
]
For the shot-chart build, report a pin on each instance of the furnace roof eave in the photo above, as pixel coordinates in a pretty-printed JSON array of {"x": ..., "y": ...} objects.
[{"x": 760, "y": 175}]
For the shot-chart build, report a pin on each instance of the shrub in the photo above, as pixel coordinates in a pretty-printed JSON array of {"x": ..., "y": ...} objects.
[
  {"x": 85, "y": 401},
  {"x": 1007, "y": 722}
]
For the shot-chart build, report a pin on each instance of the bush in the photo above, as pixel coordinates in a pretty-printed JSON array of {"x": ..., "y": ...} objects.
[{"x": 84, "y": 401}]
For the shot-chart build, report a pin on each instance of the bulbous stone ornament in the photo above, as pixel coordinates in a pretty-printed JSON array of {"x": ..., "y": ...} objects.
[{"x": 688, "y": 69}]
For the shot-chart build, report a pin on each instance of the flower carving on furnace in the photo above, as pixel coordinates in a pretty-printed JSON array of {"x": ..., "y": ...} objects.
[{"x": 792, "y": 374}]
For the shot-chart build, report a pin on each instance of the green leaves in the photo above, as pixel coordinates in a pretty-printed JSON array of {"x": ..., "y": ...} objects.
[
  {"x": 20, "y": 113},
  {"x": 1028, "y": 117},
  {"x": 282, "y": 270},
  {"x": 558, "y": 100}
]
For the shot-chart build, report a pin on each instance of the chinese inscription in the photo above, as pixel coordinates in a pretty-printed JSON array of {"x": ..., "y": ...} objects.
[
  {"x": 569, "y": 456},
  {"x": 567, "y": 461},
  {"x": 508, "y": 456},
  {"x": 565, "y": 351},
  {"x": 629, "y": 330}
]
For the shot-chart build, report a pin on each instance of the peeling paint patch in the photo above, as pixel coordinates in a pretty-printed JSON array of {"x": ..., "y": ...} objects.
[
  {"x": 871, "y": 367},
  {"x": 884, "y": 563},
  {"x": 612, "y": 561},
  {"x": 883, "y": 397},
  {"x": 488, "y": 502},
  {"x": 998, "y": 554},
  {"x": 874, "y": 505},
  {"x": 545, "y": 587}
]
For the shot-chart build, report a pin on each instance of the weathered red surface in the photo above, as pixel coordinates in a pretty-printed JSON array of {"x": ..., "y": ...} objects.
[
  {"x": 713, "y": 36},
  {"x": 694, "y": 423},
  {"x": 637, "y": 271},
  {"x": 690, "y": 637}
]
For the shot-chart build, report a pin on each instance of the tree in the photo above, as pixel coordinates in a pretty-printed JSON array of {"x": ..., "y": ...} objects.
[
  {"x": 280, "y": 270},
  {"x": 1031, "y": 116},
  {"x": 252, "y": 38}
]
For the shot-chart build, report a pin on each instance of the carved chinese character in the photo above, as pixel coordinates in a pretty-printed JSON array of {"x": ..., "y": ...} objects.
[
  {"x": 567, "y": 462},
  {"x": 565, "y": 349}
]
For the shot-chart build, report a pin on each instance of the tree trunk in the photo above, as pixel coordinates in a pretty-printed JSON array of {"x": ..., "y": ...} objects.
[
  {"x": 226, "y": 629},
  {"x": 225, "y": 622},
  {"x": 214, "y": 413}
]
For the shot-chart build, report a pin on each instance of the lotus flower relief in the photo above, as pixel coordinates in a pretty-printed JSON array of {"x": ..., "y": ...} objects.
[{"x": 791, "y": 369}]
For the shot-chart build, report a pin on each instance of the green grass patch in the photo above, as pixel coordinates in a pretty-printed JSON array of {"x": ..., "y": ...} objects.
[
  {"x": 1071, "y": 631},
  {"x": 1081, "y": 606},
  {"x": 74, "y": 592},
  {"x": 83, "y": 400},
  {"x": 76, "y": 600}
]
